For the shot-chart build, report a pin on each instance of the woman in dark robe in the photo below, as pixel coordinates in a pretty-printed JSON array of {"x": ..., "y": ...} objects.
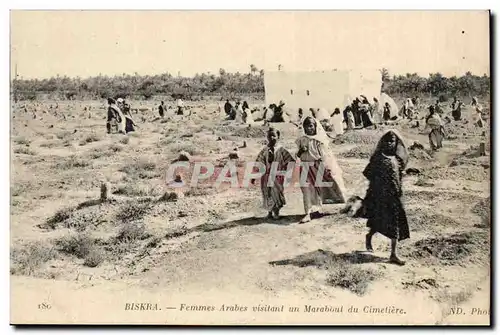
[
  {"x": 383, "y": 204},
  {"x": 228, "y": 107},
  {"x": 245, "y": 105}
]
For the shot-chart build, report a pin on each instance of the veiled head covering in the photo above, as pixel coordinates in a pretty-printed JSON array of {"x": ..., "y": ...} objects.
[
  {"x": 320, "y": 135},
  {"x": 401, "y": 151}
]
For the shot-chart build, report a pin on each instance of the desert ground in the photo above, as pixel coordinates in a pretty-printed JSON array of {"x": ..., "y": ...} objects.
[{"x": 205, "y": 245}]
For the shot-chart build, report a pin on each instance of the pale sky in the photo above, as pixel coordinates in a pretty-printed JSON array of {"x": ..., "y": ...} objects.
[{"x": 86, "y": 43}]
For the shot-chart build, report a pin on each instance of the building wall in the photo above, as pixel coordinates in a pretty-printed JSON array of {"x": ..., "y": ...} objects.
[{"x": 320, "y": 89}]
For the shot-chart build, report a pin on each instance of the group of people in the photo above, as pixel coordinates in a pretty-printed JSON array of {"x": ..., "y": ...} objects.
[
  {"x": 435, "y": 123},
  {"x": 162, "y": 108},
  {"x": 119, "y": 117},
  {"x": 386, "y": 215}
]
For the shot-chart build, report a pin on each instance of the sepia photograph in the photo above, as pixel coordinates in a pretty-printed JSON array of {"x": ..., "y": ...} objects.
[{"x": 250, "y": 167}]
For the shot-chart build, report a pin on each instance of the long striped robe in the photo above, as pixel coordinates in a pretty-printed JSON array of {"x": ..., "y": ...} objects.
[{"x": 274, "y": 196}]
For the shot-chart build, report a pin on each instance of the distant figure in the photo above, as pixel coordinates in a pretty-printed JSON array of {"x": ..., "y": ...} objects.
[
  {"x": 366, "y": 114},
  {"x": 437, "y": 107},
  {"x": 386, "y": 214},
  {"x": 228, "y": 108},
  {"x": 387, "y": 112},
  {"x": 129, "y": 121},
  {"x": 478, "y": 115},
  {"x": 277, "y": 112},
  {"x": 245, "y": 105},
  {"x": 115, "y": 117},
  {"x": 455, "y": 103},
  {"x": 434, "y": 122},
  {"x": 337, "y": 122},
  {"x": 180, "y": 107},
  {"x": 161, "y": 109},
  {"x": 456, "y": 113}
]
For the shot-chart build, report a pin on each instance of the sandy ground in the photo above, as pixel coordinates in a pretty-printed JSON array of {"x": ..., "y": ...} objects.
[{"x": 87, "y": 259}]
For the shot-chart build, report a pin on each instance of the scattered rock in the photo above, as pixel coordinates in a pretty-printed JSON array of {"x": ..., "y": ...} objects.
[
  {"x": 182, "y": 214},
  {"x": 412, "y": 171},
  {"x": 416, "y": 145},
  {"x": 169, "y": 197}
]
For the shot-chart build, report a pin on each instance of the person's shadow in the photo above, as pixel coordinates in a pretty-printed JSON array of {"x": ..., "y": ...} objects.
[{"x": 322, "y": 258}]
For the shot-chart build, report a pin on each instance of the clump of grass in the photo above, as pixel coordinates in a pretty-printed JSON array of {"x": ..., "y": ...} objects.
[
  {"x": 63, "y": 135},
  {"x": 115, "y": 148},
  {"x": 199, "y": 191},
  {"x": 125, "y": 140},
  {"x": 22, "y": 141},
  {"x": 50, "y": 144},
  {"x": 365, "y": 136},
  {"x": 132, "y": 211},
  {"x": 82, "y": 221},
  {"x": 135, "y": 190},
  {"x": 360, "y": 151},
  {"x": 94, "y": 258},
  {"x": 24, "y": 151},
  {"x": 92, "y": 137},
  {"x": 141, "y": 169},
  {"x": 131, "y": 231},
  {"x": 25, "y": 260},
  {"x": 59, "y": 217},
  {"x": 351, "y": 277},
  {"x": 79, "y": 245},
  {"x": 18, "y": 189},
  {"x": 191, "y": 148},
  {"x": 71, "y": 163}
]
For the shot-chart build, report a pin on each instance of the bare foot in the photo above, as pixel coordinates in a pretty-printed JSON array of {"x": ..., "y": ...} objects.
[
  {"x": 305, "y": 219},
  {"x": 368, "y": 244},
  {"x": 395, "y": 260},
  {"x": 270, "y": 215},
  {"x": 276, "y": 214}
]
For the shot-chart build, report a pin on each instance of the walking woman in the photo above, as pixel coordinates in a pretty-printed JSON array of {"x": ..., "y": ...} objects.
[
  {"x": 383, "y": 205},
  {"x": 434, "y": 122},
  {"x": 314, "y": 150}
]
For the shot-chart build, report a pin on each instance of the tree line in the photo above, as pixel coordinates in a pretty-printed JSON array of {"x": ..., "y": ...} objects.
[{"x": 227, "y": 85}]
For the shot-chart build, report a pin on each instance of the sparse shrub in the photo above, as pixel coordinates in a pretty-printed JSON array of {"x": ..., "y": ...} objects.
[
  {"x": 25, "y": 260},
  {"x": 49, "y": 145},
  {"x": 134, "y": 190},
  {"x": 199, "y": 191},
  {"x": 351, "y": 277},
  {"x": 141, "y": 169},
  {"x": 59, "y": 217},
  {"x": 115, "y": 148},
  {"x": 79, "y": 245},
  {"x": 63, "y": 135},
  {"x": 360, "y": 151},
  {"x": 22, "y": 141},
  {"x": 18, "y": 189},
  {"x": 131, "y": 232},
  {"x": 132, "y": 211},
  {"x": 24, "y": 151},
  {"x": 125, "y": 140},
  {"x": 90, "y": 138},
  {"x": 72, "y": 162},
  {"x": 82, "y": 221},
  {"x": 94, "y": 258}
]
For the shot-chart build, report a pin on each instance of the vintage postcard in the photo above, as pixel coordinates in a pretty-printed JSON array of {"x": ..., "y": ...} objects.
[{"x": 250, "y": 167}]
